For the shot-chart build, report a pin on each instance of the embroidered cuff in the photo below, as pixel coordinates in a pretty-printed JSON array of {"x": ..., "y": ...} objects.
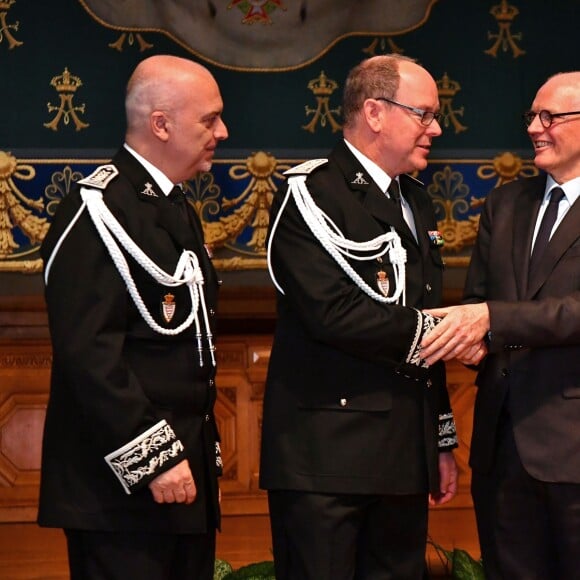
[
  {"x": 218, "y": 458},
  {"x": 143, "y": 456},
  {"x": 425, "y": 323},
  {"x": 447, "y": 432}
]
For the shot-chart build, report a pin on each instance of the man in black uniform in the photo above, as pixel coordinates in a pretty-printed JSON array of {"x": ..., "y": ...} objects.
[
  {"x": 130, "y": 452},
  {"x": 357, "y": 431}
]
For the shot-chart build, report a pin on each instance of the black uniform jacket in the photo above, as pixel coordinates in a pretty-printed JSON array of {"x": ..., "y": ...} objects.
[
  {"x": 118, "y": 387},
  {"x": 343, "y": 413},
  {"x": 534, "y": 362}
]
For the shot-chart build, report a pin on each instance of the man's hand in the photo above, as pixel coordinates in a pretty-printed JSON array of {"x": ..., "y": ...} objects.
[
  {"x": 459, "y": 335},
  {"x": 175, "y": 485},
  {"x": 447, "y": 479}
]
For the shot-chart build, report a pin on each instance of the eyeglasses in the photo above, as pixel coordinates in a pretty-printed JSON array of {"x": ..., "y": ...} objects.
[
  {"x": 426, "y": 117},
  {"x": 546, "y": 118}
]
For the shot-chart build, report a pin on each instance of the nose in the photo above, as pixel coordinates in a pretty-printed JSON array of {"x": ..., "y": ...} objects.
[
  {"x": 535, "y": 126},
  {"x": 221, "y": 131},
  {"x": 435, "y": 128}
]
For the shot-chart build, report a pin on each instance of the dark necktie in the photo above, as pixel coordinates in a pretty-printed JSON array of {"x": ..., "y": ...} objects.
[
  {"x": 394, "y": 192},
  {"x": 545, "y": 230},
  {"x": 177, "y": 198}
]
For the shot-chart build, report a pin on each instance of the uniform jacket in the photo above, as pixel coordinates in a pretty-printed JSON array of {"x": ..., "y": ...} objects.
[
  {"x": 343, "y": 413},
  {"x": 118, "y": 387},
  {"x": 534, "y": 361}
]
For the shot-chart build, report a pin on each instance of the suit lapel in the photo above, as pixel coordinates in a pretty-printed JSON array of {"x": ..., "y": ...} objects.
[
  {"x": 565, "y": 235},
  {"x": 408, "y": 189},
  {"x": 186, "y": 236},
  {"x": 527, "y": 206},
  {"x": 373, "y": 199}
]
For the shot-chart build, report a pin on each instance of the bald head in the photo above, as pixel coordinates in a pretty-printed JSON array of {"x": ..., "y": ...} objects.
[
  {"x": 567, "y": 84},
  {"x": 174, "y": 108},
  {"x": 557, "y": 146},
  {"x": 159, "y": 83}
]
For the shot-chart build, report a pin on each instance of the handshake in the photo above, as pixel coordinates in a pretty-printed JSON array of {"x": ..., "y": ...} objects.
[{"x": 460, "y": 334}]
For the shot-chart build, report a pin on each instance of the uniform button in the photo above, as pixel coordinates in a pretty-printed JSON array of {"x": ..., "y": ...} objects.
[
  {"x": 379, "y": 260},
  {"x": 207, "y": 418},
  {"x": 220, "y": 282},
  {"x": 504, "y": 372},
  {"x": 211, "y": 382},
  {"x": 343, "y": 402},
  {"x": 429, "y": 383},
  {"x": 428, "y": 287},
  {"x": 211, "y": 312}
]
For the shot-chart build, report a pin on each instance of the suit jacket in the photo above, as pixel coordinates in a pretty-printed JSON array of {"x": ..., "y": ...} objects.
[
  {"x": 534, "y": 363},
  {"x": 343, "y": 413},
  {"x": 118, "y": 387}
]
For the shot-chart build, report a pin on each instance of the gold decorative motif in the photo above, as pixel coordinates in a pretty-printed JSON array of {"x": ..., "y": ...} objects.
[
  {"x": 383, "y": 45},
  {"x": 449, "y": 194},
  {"x": 322, "y": 87},
  {"x": 447, "y": 89},
  {"x": 66, "y": 86},
  {"x": 253, "y": 205},
  {"x": 257, "y": 11},
  {"x": 238, "y": 263},
  {"x": 5, "y": 28},
  {"x": 505, "y": 167},
  {"x": 32, "y": 360},
  {"x": 504, "y": 13},
  {"x": 15, "y": 212},
  {"x": 130, "y": 38},
  {"x": 60, "y": 185}
]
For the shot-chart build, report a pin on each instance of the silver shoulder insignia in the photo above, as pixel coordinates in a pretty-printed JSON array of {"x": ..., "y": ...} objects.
[
  {"x": 100, "y": 177},
  {"x": 306, "y": 167},
  {"x": 148, "y": 190},
  {"x": 359, "y": 179}
]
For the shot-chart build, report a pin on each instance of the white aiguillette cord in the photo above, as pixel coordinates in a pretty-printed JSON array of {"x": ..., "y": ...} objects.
[
  {"x": 187, "y": 271},
  {"x": 338, "y": 246}
]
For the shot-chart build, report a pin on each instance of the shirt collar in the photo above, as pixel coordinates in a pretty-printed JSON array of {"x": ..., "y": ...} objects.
[
  {"x": 164, "y": 183},
  {"x": 571, "y": 188},
  {"x": 380, "y": 177}
]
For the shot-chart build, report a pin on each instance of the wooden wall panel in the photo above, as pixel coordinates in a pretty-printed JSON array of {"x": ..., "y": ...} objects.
[{"x": 24, "y": 379}]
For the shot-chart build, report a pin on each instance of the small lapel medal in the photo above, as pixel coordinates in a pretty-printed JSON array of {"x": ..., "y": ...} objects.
[
  {"x": 436, "y": 238},
  {"x": 168, "y": 307}
]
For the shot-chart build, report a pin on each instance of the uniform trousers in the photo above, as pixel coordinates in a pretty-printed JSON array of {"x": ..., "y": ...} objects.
[
  {"x": 146, "y": 556},
  {"x": 348, "y": 537},
  {"x": 528, "y": 529}
]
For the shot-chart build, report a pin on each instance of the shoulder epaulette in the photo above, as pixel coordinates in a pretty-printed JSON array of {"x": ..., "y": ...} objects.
[
  {"x": 306, "y": 167},
  {"x": 100, "y": 177},
  {"x": 414, "y": 179}
]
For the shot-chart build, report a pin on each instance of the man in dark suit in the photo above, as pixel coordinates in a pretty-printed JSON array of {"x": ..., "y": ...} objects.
[
  {"x": 524, "y": 281},
  {"x": 357, "y": 431},
  {"x": 130, "y": 451}
]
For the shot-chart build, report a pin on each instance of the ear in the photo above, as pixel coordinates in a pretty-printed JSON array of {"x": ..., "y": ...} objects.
[
  {"x": 373, "y": 114},
  {"x": 159, "y": 125}
]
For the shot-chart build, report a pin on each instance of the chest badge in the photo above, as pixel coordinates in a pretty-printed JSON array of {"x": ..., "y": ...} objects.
[
  {"x": 383, "y": 282},
  {"x": 168, "y": 307}
]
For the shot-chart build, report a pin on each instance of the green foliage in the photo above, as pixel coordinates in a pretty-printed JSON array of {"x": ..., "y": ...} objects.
[
  {"x": 460, "y": 564},
  {"x": 257, "y": 571},
  {"x": 221, "y": 569}
]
